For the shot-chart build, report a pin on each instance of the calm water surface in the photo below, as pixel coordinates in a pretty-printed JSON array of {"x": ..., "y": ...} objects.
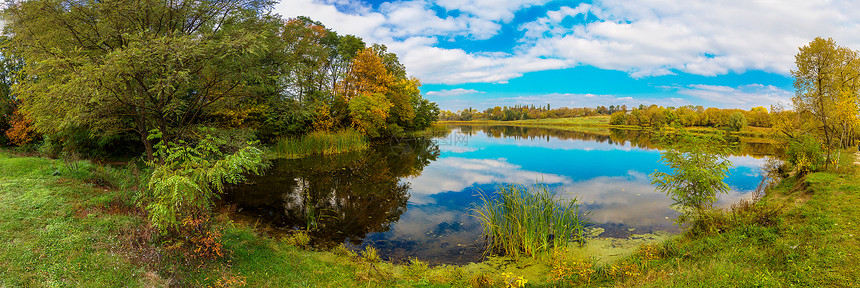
[{"x": 411, "y": 198}]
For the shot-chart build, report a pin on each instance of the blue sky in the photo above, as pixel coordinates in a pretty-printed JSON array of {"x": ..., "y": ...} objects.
[{"x": 484, "y": 53}]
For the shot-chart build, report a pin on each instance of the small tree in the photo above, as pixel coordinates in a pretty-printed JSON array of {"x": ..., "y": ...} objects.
[
  {"x": 699, "y": 165},
  {"x": 737, "y": 121}
]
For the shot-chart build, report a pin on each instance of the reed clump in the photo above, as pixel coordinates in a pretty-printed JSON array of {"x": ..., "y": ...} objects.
[
  {"x": 528, "y": 221},
  {"x": 321, "y": 142}
]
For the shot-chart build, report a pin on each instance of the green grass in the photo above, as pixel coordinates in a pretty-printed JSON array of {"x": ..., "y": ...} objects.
[
  {"x": 528, "y": 221},
  {"x": 71, "y": 231},
  {"x": 811, "y": 242},
  {"x": 321, "y": 143},
  {"x": 53, "y": 232}
]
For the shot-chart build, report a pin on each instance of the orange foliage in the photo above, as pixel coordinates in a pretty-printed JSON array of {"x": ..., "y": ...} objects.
[
  {"x": 204, "y": 239},
  {"x": 22, "y": 130}
]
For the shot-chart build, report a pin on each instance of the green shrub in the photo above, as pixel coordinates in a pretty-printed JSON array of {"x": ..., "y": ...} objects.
[
  {"x": 342, "y": 250},
  {"x": 283, "y": 119},
  {"x": 618, "y": 118},
  {"x": 805, "y": 153},
  {"x": 299, "y": 238},
  {"x": 416, "y": 268},
  {"x": 699, "y": 166},
  {"x": 528, "y": 221},
  {"x": 370, "y": 254},
  {"x": 188, "y": 178}
]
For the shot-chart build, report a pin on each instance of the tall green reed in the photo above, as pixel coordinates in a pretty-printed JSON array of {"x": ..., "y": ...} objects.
[
  {"x": 323, "y": 142},
  {"x": 528, "y": 221}
]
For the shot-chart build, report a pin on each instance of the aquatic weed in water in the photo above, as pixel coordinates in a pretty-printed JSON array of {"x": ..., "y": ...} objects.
[{"x": 528, "y": 221}]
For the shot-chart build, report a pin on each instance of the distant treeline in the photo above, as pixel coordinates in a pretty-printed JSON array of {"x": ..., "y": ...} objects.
[
  {"x": 645, "y": 116},
  {"x": 523, "y": 112}
]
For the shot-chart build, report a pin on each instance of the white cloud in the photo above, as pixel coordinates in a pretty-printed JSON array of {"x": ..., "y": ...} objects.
[
  {"x": 496, "y": 10},
  {"x": 745, "y": 96},
  {"x": 453, "y": 92},
  {"x": 653, "y": 37},
  {"x": 643, "y": 38}
]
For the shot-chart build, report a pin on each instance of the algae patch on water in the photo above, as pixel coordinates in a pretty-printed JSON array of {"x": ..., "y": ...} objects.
[
  {"x": 598, "y": 249},
  {"x": 605, "y": 250}
]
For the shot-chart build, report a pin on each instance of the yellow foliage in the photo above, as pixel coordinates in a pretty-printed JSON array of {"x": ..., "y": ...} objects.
[
  {"x": 513, "y": 281},
  {"x": 367, "y": 75},
  {"x": 323, "y": 120},
  {"x": 571, "y": 272},
  {"x": 649, "y": 252},
  {"x": 237, "y": 117}
]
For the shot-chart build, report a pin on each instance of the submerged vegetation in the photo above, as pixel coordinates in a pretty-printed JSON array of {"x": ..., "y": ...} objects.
[
  {"x": 324, "y": 143},
  {"x": 529, "y": 221}
]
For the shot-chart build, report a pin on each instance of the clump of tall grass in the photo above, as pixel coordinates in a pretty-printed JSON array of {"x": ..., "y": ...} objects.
[
  {"x": 321, "y": 142},
  {"x": 528, "y": 221}
]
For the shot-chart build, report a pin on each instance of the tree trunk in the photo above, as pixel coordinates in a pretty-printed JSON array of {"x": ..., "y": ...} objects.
[{"x": 144, "y": 137}]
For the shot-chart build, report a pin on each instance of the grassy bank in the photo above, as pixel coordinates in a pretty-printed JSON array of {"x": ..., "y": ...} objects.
[
  {"x": 804, "y": 232},
  {"x": 325, "y": 143},
  {"x": 82, "y": 229}
]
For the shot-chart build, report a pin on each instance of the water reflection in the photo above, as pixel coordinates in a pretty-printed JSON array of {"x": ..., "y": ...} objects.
[
  {"x": 412, "y": 198},
  {"x": 342, "y": 197}
]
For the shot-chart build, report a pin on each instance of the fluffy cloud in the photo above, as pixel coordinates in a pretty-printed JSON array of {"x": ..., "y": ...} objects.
[
  {"x": 653, "y": 37},
  {"x": 643, "y": 38}
]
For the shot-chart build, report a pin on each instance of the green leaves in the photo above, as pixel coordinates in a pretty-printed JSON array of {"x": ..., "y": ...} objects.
[
  {"x": 133, "y": 65},
  {"x": 699, "y": 164},
  {"x": 192, "y": 176}
]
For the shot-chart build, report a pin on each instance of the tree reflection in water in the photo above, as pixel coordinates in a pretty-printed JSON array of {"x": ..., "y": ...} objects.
[
  {"x": 362, "y": 197},
  {"x": 340, "y": 197}
]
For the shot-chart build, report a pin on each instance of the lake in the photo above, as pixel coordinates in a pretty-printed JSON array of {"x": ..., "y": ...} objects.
[{"x": 412, "y": 197}]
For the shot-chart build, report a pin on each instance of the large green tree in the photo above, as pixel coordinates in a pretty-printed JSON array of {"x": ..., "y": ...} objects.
[{"x": 132, "y": 65}]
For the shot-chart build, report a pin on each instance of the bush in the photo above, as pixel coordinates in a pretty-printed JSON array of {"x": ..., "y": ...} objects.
[
  {"x": 21, "y": 130},
  {"x": 699, "y": 165},
  {"x": 805, "y": 153},
  {"x": 368, "y": 113},
  {"x": 184, "y": 184}
]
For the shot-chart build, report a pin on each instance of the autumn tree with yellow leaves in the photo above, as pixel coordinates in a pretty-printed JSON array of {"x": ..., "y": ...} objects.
[{"x": 827, "y": 80}]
